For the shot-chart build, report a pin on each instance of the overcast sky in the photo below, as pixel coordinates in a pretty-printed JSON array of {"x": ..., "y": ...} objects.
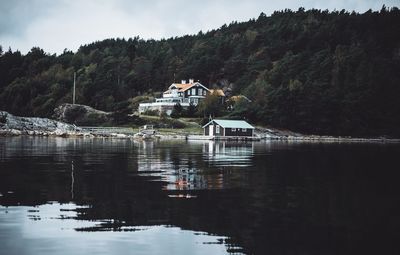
[{"x": 58, "y": 24}]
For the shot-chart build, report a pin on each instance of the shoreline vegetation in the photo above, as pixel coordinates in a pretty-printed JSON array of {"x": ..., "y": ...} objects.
[{"x": 11, "y": 125}]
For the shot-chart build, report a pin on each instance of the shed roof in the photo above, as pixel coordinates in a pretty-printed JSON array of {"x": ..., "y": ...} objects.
[{"x": 231, "y": 124}]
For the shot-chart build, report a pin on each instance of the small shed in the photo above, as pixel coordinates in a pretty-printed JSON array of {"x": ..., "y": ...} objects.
[{"x": 228, "y": 128}]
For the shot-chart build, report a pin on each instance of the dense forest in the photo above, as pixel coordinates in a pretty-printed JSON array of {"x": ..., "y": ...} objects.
[{"x": 312, "y": 71}]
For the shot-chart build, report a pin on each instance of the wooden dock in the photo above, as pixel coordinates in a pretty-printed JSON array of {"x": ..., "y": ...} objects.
[
  {"x": 147, "y": 130},
  {"x": 223, "y": 138},
  {"x": 108, "y": 130}
]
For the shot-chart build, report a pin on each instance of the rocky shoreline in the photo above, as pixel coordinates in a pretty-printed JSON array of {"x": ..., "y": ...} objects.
[
  {"x": 11, "y": 125},
  {"x": 286, "y": 135}
]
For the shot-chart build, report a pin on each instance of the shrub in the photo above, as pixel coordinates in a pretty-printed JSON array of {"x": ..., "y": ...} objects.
[
  {"x": 3, "y": 118},
  {"x": 74, "y": 113},
  {"x": 152, "y": 113}
]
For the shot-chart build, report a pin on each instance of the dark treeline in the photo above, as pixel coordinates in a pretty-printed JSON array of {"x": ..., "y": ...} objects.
[{"x": 312, "y": 71}]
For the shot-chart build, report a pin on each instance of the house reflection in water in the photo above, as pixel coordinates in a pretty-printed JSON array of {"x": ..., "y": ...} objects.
[
  {"x": 203, "y": 165},
  {"x": 227, "y": 153},
  {"x": 190, "y": 179},
  {"x": 179, "y": 171}
]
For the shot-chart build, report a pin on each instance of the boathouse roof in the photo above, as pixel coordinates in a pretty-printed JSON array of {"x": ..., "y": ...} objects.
[{"x": 231, "y": 123}]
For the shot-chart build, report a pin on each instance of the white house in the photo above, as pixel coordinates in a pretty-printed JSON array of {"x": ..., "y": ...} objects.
[{"x": 183, "y": 93}]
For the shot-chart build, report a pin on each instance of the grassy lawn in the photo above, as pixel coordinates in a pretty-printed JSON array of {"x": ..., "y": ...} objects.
[
  {"x": 191, "y": 125},
  {"x": 181, "y": 131},
  {"x": 149, "y": 117}
]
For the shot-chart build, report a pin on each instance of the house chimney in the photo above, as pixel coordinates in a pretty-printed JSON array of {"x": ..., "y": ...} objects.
[
  {"x": 191, "y": 81},
  {"x": 183, "y": 81}
]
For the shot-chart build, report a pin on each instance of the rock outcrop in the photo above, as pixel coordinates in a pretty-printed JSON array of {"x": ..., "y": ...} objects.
[
  {"x": 82, "y": 115},
  {"x": 14, "y": 125}
]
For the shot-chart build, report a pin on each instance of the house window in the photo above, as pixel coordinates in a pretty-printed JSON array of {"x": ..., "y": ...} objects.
[
  {"x": 204, "y": 92},
  {"x": 217, "y": 129},
  {"x": 193, "y": 91},
  {"x": 244, "y": 129},
  {"x": 189, "y": 92},
  {"x": 233, "y": 129}
]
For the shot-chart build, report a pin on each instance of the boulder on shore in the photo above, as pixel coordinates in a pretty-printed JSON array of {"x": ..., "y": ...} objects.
[{"x": 82, "y": 115}]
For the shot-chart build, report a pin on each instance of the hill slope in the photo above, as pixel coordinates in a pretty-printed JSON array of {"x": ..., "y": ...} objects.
[{"x": 311, "y": 71}]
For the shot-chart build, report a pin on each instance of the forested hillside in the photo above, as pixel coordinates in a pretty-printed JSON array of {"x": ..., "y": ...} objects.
[{"x": 311, "y": 71}]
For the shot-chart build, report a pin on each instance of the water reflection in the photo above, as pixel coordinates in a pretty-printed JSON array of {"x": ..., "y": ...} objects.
[
  {"x": 225, "y": 154},
  {"x": 113, "y": 196},
  {"x": 56, "y": 229},
  {"x": 194, "y": 165},
  {"x": 72, "y": 180}
]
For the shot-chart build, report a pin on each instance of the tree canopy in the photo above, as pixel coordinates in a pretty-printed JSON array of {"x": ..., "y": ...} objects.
[{"x": 312, "y": 71}]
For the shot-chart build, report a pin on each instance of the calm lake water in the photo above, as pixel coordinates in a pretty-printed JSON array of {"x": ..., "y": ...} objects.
[{"x": 104, "y": 196}]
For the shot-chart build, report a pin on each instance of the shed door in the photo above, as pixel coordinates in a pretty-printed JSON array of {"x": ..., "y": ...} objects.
[{"x": 211, "y": 130}]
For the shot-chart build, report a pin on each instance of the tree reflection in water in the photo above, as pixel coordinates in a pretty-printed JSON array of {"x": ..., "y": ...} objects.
[{"x": 266, "y": 197}]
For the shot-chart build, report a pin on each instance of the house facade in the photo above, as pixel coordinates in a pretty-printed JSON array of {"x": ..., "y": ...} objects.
[
  {"x": 228, "y": 128},
  {"x": 183, "y": 93}
]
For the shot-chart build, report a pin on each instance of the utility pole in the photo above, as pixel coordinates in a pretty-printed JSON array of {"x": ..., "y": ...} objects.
[
  {"x": 73, "y": 93},
  {"x": 118, "y": 74}
]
